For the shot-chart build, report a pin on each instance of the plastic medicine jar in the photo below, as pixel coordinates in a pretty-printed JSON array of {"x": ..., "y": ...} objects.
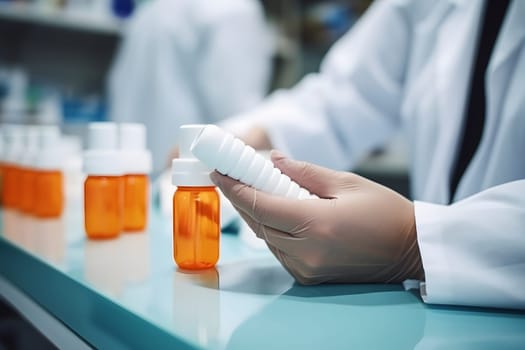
[
  {"x": 137, "y": 165},
  {"x": 48, "y": 176},
  {"x": 103, "y": 187},
  {"x": 196, "y": 208}
]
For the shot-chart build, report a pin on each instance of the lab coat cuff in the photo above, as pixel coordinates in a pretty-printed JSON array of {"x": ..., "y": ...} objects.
[{"x": 437, "y": 287}]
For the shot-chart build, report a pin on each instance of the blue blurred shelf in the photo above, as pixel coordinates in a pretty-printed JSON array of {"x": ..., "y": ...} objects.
[{"x": 82, "y": 21}]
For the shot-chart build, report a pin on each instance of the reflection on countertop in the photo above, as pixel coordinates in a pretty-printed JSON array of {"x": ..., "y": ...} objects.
[
  {"x": 44, "y": 238},
  {"x": 374, "y": 317},
  {"x": 247, "y": 302},
  {"x": 111, "y": 264},
  {"x": 108, "y": 264},
  {"x": 204, "y": 322}
]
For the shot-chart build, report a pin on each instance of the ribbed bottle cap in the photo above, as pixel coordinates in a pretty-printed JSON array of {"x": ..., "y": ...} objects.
[
  {"x": 230, "y": 156},
  {"x": 207, "y": 143},
  {"x": 188, "y": 170}
]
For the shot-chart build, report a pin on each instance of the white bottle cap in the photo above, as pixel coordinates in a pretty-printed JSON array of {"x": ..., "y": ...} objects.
[
  {"x": 32, "y": 136},
  {"x": 136, "y": 158},
  {"x": 49, "y": 136},
  {"x": 14, "y": 143},
  {"x": 2, "y": 144},
  {"x": 188, "y": 170},
  {"x": 102, "y": 156},
  {"x": 102, "y": 136},
  {"x": 210, "y": 138},
  {"x": 72, "y": 144},
  {"x": 51, "y": 154}
]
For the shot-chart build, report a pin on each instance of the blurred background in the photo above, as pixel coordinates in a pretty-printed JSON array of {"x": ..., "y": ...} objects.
[
  {"x": 56, "y": 55},
  {"x": 166, "y": 63}
]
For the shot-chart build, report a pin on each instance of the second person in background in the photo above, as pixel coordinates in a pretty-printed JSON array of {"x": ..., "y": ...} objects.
[{"x": 187, "y": 62}]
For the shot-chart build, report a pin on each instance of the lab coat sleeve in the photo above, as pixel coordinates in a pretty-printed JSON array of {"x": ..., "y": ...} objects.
[
  {"x": 235, "y": 60},
  {"x": 352, "y": 105},
  {"x": 473, "y": 251}
]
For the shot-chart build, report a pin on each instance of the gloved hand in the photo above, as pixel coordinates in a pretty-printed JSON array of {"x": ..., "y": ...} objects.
[{"x": 357, "y": 232}]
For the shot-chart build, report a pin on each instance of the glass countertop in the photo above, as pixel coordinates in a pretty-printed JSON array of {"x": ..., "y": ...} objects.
[{"x": 128, "y": 293}]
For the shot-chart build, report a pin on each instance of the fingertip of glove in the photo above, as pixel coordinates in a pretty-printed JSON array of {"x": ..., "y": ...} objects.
[
  {"x": 277, "y": 156},
  {"x": 215, "y": 178}
]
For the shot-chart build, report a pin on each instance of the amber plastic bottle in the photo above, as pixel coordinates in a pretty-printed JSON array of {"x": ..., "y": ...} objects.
[
  {"x": 16, "y": 172},
  {"x": 27, "y": 190},
  {"x": 2, "y": 183},
  {"x": 103, "y": 188},
  {"x": 14, "y": 148},
  {"x": 196, "y": 227},
  {"x": 136, "y": 191},
  {"x": 103, "y": 202},
  {"x": 9, "y": 190},
  {"x": 48, "y": 194},
  {"x": 137, "y": 164},
  {"x": 27, "y": 180},
  {"x": 196, "y": 208}
]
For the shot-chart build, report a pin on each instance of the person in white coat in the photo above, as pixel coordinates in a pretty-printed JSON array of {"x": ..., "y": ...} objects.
[
  {"x": 451, "y": 74},
  {"x": 189, "y": 61}
]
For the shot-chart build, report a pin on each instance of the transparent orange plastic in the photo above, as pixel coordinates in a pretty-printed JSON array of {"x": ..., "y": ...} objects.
[
  {"x": 27, "y": 190},
  {"x": 135, "y": 202},
  {"x": 10, "y": 186},
  {"x": 49, "y": 194},
  {"x": 196, "y": 228},
  {"x": 15, "y": 195},
  {"x": 103, "y": 201},
  {"x": 2, "y": 166}
]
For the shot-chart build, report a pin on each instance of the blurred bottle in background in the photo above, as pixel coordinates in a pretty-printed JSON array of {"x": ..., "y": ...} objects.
[{"x": 137, "y": 166}]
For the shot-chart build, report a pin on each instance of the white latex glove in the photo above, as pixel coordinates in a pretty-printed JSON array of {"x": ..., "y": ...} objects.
[{"x": 358, "y": 231}]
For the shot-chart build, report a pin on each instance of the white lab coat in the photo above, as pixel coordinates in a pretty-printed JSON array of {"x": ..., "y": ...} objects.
[
  {"x": 189, "y": 62},
  {"x": 407, "y": 64}
]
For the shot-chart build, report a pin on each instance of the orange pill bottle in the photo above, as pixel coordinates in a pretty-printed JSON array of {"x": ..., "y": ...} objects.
[
  {"x": 103, "y": 187},
  {"x": 1, "y": 179},
  {"x": 136, "y": 195},
  {"x": 14, "y": 148},
  {"x": 2, "y": 160},
  {"x": 28, "y": 171},
  {"x": 48, "y": 196},
  {"x": 9, "y": 184},
  {"x": 196, "y": 208},
  {"x": 27, "y": 190},
  {"x": 136, "y": 166},
  {"x": 49, "y": 193}
]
